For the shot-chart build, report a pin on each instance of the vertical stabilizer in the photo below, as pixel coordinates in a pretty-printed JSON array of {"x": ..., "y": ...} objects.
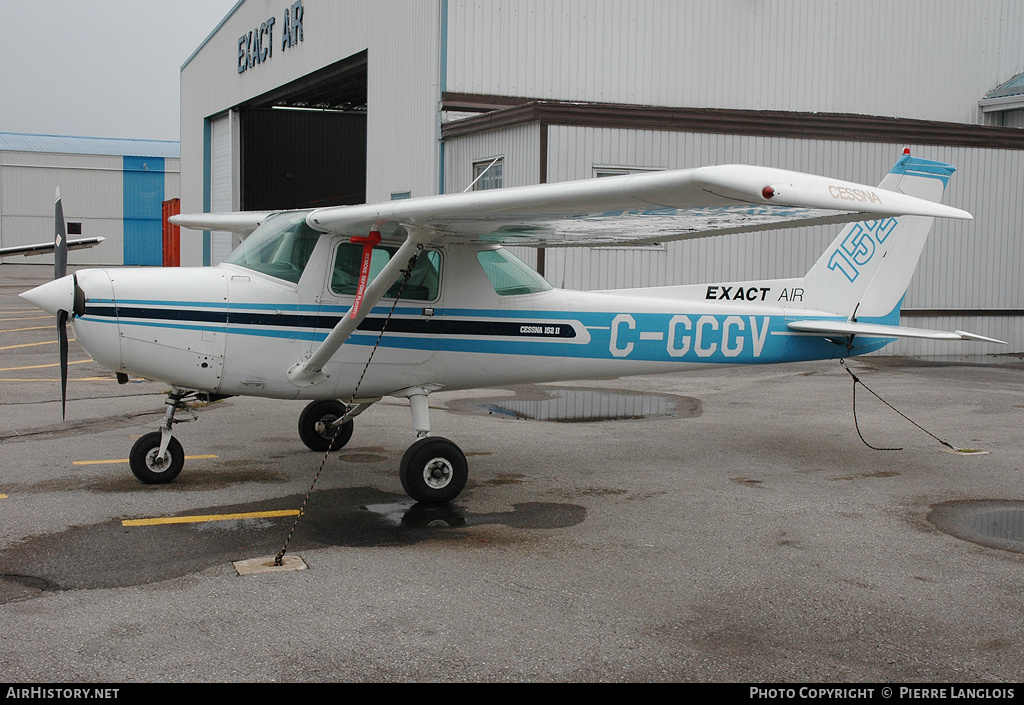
[{"x": 866, "y": 270}]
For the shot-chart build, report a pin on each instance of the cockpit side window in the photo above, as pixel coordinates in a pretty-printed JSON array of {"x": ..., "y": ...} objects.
[
  {"x": 423, "y": 285},
  {"x": 280, "y": 247},
  {"x": 509, "y": 275}
]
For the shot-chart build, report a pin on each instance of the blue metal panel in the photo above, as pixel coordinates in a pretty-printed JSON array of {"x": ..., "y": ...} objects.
[{"x": 143, "y": 200}]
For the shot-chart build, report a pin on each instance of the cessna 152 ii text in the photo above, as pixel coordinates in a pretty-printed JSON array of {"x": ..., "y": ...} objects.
[{"x": 295, "y": 311}]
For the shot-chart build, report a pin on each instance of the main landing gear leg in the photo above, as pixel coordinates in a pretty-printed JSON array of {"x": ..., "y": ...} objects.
[
  {"x": 434, "y": 470},
  {"x": 158, "y": 457}
]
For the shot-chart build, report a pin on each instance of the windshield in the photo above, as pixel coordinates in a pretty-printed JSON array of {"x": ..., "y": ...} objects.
[{"x": 279, "y": 248}]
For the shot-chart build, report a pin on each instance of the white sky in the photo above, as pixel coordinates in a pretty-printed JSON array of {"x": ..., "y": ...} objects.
[{"x": 99, "y": 68}]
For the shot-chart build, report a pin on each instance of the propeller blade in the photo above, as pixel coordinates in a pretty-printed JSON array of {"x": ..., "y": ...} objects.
[
  {"x": 62, "y": 338},
  {"x": 60, "y": 240}
]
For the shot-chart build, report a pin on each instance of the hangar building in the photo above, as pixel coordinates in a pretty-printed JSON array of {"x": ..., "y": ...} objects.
[
  {"x": 113, "y": 188},
  {"x": 318, "y": 102}
]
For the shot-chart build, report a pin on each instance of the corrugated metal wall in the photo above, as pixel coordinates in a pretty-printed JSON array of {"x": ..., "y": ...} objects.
[
  {"x": 966, "y": 265},
  {"x": 518, "y": 146},
  {"x": 93, "y": 189},
  {"x": 928, "y": 59},
  {"x": 923, "y": 59}
]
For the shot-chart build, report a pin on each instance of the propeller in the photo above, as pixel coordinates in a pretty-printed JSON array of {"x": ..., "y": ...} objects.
[
  {"x": 60, "y": 270},
  {"x": 61, "y": 297}
]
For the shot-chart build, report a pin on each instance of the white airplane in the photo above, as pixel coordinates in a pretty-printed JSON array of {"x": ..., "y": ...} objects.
[{"x": 425, "y": 288}]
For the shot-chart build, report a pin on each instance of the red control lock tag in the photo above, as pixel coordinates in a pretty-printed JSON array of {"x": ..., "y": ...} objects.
[{"x": 368, "y": 243}]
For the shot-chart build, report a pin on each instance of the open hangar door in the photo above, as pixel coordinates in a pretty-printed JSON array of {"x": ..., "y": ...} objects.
[{"x": 303, "y": 145}]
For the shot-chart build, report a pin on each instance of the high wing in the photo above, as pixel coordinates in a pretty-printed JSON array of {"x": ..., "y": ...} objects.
[
  {"x": 242, "y": 223},
  {"x": 632, "y": 209},
  {"x": 47, "y": 247}
]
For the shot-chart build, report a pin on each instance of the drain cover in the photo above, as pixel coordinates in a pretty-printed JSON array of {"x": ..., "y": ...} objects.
[
  {"x": 20, "y": 587},
  {"x": 996, "y": 524}
]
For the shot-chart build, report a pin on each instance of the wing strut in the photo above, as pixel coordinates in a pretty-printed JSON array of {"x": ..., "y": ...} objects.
[{"x": 310, "y": 371}]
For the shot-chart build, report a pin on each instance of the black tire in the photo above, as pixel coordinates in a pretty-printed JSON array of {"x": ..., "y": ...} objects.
[
  {"x": 434, "y": 470},
  {"x": 324, "y": 412},
  {"x": 154, "y": 470}
]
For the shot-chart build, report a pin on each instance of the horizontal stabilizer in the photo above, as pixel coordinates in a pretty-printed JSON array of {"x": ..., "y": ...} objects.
[
  {"x": 45, "y": 248},
  {"x": 877, "y": 330}
]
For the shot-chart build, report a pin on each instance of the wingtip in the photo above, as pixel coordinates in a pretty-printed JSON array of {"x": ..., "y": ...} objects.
[{"x": 979, "y": 338}]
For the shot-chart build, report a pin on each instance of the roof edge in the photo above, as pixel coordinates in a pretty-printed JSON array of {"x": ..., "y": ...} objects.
[{"x": 210, "y": 35}]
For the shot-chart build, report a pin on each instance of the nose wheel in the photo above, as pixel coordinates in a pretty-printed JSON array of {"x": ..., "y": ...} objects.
[
  {"x": 157, "y": 458},
  {"x": 153, "y": 467}
]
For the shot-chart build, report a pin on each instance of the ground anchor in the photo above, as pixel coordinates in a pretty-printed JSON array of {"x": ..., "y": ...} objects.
[{"x": 269, "y": 565}]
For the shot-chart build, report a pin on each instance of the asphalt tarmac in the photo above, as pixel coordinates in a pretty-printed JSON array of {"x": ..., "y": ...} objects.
[{"x": 741, "y": 532}]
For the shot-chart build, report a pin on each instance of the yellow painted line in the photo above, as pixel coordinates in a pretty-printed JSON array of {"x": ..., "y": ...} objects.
[
  {"x": 57, "y": 379},
  {"x": 37, "y": 367},
  {"x": 31, "y": 345},
  {"x": 198, "y": 519},
  {"x": 18, "y": 330},
  {"x": 3, "y": 496},
  {"x": 125, "y": 460},
  {"x": 26, "y": 318}
]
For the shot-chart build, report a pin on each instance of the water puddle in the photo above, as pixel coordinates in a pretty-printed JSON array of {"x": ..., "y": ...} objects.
[
  {"x": 580, "y": 405},
  {"x": 109, "y": 555},
  {"x": 996, "y": 524}
]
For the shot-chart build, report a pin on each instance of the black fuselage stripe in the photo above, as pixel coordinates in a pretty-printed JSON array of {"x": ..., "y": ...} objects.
[{"x": 438, "y": 326}]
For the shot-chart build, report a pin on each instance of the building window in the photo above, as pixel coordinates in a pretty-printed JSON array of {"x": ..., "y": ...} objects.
[
  {"x": 488, "y": 173},
  {"x": 600, "y": 171},
  {"x": 74, "y": 228},
  {"x": 401, "y": 195}
]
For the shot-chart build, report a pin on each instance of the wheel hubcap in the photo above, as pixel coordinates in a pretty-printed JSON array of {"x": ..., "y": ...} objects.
[
  {"x": 437, "y": 473},
  {"x": 156, "y": 462},
  {"x": 323, "y": 426}
]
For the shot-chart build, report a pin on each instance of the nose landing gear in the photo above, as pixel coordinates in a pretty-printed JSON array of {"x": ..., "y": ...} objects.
[{"x": 157, "y": 458}]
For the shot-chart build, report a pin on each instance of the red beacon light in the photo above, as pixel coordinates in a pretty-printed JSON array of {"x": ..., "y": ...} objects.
[
  {"x": 906, "y": 150},
  {"x": 767, "y": 192}
]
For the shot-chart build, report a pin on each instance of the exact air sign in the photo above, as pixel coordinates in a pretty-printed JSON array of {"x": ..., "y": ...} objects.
[{"x": 257, "y": 46}]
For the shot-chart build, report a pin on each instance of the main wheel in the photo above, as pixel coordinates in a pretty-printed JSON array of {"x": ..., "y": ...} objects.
[
  {"x": 152, "y": 468},
  {"x": 313, "y": 423},
  {"x": 434, "y": 470}
]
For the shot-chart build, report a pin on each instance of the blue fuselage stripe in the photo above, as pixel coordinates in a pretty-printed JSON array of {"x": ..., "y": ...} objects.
[{"x": 664, "y": 337}]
